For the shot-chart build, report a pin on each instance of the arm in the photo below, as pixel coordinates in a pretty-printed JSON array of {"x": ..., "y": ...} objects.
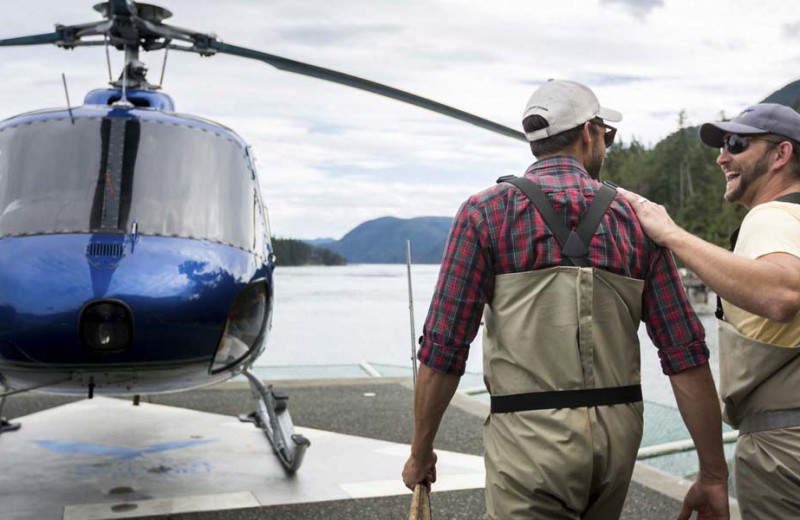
[
  {"x": 699, "y": 406},
  {"x": 465, "y": 279},
  {"x": 768, "y": 286},
  {"x": 431, "y": 397}
]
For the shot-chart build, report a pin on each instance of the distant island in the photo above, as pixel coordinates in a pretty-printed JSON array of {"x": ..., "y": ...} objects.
[{"x": 379, "y": 241}]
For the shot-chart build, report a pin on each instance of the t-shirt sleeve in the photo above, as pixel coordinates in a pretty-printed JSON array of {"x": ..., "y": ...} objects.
[{"x": 769, "y": 229}]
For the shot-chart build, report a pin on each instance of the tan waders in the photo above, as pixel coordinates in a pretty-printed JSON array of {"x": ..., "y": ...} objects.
[
  {"x": 553, "y": 339},
  {"x": 760, "y": 389}
]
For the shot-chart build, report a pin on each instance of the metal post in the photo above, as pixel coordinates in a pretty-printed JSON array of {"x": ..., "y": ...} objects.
[{"x": 411, "y": 314}]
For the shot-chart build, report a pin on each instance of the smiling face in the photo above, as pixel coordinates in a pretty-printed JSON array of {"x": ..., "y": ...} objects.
[{"x": 744, "y": 170}]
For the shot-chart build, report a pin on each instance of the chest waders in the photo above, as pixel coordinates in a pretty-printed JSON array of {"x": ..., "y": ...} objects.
[
  {"x": 561, "y": 362},
  {"x": 760, "y": 391}
]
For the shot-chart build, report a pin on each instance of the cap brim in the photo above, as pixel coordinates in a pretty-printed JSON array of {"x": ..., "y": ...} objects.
[
  {"x": 712, "y": 133},
  {"x": 606, "y": 114}
]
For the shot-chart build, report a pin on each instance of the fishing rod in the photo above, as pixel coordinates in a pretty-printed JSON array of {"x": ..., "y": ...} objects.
[{"x": 420, "y": 501}]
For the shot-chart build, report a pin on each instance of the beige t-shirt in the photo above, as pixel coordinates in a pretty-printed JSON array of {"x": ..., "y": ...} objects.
[{"x": 772, "y": 227}]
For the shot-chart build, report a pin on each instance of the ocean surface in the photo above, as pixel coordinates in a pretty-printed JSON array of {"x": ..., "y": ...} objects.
[{"x": 330, "y": 317}]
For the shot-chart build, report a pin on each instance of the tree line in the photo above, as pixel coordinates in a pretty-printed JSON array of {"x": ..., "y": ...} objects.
[
  {"x": 681, "y": 173},
  {"x": 289, "y": 251}
]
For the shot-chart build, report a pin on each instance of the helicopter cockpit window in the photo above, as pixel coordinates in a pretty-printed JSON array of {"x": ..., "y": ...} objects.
[
  {"x": 99, "y": 175},
  {"x": 48, "y": 176},
  {"x": 192, "y": 183}
]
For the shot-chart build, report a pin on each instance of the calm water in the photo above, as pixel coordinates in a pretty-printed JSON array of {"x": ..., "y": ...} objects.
[{"x": 348, "y": 314}]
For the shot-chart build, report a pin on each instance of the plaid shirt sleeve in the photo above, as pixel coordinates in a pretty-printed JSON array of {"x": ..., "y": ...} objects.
[
  {"x": 466, "y": 281},
  {"x": 670, "y": 320}
]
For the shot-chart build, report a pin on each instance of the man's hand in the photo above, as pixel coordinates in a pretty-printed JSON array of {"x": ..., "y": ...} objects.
[
  {"x": 420, "y": 470},
  {"x": 653, "y": 217},
  {"x": 710, "y": 500}
]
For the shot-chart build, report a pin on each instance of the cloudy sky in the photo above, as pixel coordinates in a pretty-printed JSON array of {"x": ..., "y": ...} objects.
[{"x": 331, "y": 157}]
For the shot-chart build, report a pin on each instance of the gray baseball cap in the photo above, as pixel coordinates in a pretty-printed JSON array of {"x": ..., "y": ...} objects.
[
  {"x": 564, "y": 105},
  {"x": 764, "y": 118}
]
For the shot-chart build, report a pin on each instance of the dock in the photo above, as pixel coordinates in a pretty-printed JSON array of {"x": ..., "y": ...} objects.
[{"x": 186, "y": 456}]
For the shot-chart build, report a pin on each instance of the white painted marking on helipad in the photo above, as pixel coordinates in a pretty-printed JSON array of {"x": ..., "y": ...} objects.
[
  {"x": 448, "y": 458},
  {"x": 383, "y": 488},
  {"x": 161, "y": 506}
]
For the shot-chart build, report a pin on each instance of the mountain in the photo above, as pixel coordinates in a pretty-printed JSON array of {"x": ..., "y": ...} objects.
[
  {"x": 788, "y": 95},
  {"x": 383, "y": 240}
]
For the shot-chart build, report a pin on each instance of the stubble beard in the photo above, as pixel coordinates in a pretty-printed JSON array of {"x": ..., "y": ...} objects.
[
  {"x": 747, "y": 176},
  {"x": 595, "y": 162}
]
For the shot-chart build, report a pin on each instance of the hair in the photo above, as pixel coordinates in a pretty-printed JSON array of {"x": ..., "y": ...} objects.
[{"x": 553, "y": 144}]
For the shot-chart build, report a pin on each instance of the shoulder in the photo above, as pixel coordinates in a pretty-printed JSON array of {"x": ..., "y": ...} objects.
[
  {"x": 764, "y": 218},
  {"x": 772, "y": 227},
  {"x": 493, "y": 196}
]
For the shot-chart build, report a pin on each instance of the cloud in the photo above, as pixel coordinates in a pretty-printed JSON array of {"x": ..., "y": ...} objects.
[
  {"x": 600, "y": 79},
  {"x": 792, "y": 30},
  {"x": 325, "y": 34},
  {"x": 638, "y": 8}
]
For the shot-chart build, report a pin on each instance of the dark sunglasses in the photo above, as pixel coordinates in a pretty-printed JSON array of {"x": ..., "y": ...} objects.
[
  {"x": 736, "y": 144},
  {"x": 608, "y": 136}
]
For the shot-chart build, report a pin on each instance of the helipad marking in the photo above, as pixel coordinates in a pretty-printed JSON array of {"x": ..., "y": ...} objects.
[
  {"x": 119, "y": 452},
  {"x": 43, "y": 482},
  {"x": 475, "y": 478},
  {"x": 161, "y": 506}
]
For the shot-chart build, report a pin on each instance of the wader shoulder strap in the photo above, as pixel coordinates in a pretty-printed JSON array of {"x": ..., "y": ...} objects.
[
  {"x": 789, "y": 197},
  {"x": 574, "y": 244}
]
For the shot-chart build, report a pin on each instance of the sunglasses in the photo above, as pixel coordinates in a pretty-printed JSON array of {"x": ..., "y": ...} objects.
[
  {"x": 610, "y": 133},
  {"x": 736, "y": 144}
]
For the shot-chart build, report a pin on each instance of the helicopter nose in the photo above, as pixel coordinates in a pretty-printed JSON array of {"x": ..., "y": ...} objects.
[{"x": 106, "y": 326}]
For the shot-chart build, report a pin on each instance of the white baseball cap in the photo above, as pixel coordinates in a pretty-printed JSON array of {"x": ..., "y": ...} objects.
[{"x": 565, "y": 105}]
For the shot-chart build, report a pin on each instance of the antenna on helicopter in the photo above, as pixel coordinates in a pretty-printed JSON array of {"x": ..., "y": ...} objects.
[
  {"x": 108, "y": 59},
  {"x": 66, "y": 91},
  {"x": 163, "y": 68}
]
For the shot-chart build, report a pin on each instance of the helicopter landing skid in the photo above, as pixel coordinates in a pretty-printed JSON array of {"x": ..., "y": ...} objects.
[
  {"x": 5, "y": 425},
  {"x": 272, "y": 416}
]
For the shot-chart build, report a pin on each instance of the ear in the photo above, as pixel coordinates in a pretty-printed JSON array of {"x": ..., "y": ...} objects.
[
  {"x": 586, "y": 134},
  {"x": 783, "y": 154}
]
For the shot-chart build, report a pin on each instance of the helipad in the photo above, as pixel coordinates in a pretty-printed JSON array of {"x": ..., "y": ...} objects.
[{"x": 104, "y": 458}]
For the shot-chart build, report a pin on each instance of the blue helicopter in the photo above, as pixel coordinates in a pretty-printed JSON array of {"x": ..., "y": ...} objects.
[{"x": 156, "y": 227}]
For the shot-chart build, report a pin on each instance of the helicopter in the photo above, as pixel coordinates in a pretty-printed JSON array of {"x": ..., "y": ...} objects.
[{"x": 156, "y": 226}]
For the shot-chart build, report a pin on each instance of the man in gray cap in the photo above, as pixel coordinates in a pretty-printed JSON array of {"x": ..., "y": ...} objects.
[
  {"x": 565, "y": 274},
  {"x": 759, "y": 286}
]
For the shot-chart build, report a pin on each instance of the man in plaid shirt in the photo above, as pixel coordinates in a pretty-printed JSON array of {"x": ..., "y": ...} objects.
[{"x": 560, "y": 346}]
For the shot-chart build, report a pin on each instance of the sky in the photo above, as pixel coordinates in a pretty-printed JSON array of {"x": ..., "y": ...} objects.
[{"x": 331, "y": 157}]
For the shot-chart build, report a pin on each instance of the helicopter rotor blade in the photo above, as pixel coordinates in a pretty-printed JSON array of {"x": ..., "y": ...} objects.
[
  {"x": 36, "y": 39},
  {"x": 364, "y": 84}
]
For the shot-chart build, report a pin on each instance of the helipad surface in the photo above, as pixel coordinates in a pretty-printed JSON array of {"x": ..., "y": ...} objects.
[{"x": 104, "y": 458}]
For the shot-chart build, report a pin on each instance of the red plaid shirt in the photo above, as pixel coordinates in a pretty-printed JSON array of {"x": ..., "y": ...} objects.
[{"x": 499, "y": 231}]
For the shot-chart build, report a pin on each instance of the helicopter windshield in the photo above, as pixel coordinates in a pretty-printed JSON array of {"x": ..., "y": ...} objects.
[{"x": 101, "y": 175}]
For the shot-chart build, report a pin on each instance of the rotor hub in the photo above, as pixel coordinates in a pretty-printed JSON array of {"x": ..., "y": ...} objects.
[{"x": 149, "y": 12}]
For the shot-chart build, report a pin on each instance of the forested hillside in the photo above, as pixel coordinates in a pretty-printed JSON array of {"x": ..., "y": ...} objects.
[
  {"x": 296, "y": 252},
  {"x": 682, "y": 174}
]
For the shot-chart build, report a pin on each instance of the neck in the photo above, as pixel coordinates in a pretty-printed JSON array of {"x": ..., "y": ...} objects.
[{"x": 778, "y": 188}]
